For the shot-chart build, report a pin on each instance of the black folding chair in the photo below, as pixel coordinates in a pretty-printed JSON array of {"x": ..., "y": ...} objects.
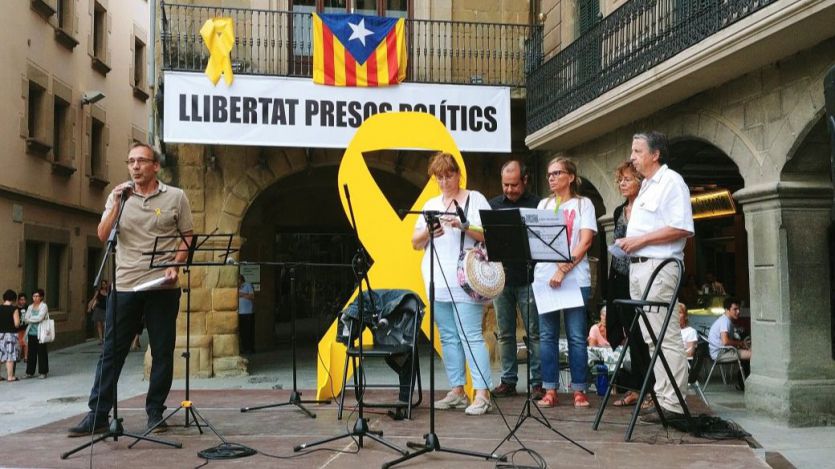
[
  {"x": 642, "y": 308},
  {"x": 399, "y": 350}
]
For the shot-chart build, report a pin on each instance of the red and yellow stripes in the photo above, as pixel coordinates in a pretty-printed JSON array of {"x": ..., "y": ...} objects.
[{"x": 333, "y": 66}]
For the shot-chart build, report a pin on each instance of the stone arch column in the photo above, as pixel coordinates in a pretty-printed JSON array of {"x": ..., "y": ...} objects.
[{"x": 215, "y": 322}]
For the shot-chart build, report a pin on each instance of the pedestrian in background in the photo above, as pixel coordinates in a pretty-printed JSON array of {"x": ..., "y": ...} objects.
[{"x": 38, "y": 354}]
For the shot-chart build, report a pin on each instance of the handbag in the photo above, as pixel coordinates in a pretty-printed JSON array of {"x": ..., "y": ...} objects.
[
  {"x": 481, "y": 279},
  {"x": 46, "y": 330}
]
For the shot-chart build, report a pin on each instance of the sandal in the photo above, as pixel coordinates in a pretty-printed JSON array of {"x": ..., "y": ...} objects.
[
  {"x": 580, "y": 399},
  {"x": 628, "y": 399},
  {"x": 550, "y": 399},
  {"x": 11, "y": 379},
  {"x": 648, "y": 404}
]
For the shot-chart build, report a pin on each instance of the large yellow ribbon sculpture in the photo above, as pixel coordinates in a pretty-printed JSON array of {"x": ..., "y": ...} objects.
[
  {"x": 219, "y": 36},
  {"x": 385, "y": 236}
]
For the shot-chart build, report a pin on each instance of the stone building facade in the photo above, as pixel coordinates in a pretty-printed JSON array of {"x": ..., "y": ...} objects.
[
  {"x": 76, "y": 95},
  {"x": 767, "y": 120}
]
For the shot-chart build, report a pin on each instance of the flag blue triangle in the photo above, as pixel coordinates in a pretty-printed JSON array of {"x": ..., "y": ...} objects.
[{"x": 373, "y": 29}]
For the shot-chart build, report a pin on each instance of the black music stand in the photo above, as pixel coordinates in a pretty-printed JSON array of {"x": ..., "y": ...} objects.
[
  {"x": 361, "y": 429},
  {"x": 295, "y": 395},
  {"x": 116, "y": 429},
  {"x": 641, "y": 306},
  {"x": 431, "y": 442},
  {"x": 508, "y": 239},
  {"x": 211, "y": 253}
]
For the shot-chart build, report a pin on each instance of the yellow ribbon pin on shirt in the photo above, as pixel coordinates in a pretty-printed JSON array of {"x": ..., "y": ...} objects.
[
  {"x": 157, "y": 212},
  {"x": 219, "y": 36}
]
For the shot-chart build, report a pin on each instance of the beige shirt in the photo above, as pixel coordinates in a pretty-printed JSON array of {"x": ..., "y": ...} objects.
[{"x": 166, "y": 212}]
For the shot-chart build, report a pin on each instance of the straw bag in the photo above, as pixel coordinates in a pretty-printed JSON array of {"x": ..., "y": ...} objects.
[{"x": 481, "y": 279}]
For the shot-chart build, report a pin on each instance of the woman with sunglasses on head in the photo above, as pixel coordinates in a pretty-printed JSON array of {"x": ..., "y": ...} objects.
[{"x": 581, "y": 224}]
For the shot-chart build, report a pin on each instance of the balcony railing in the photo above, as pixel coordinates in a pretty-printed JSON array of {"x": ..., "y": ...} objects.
[
  {"x": 633, "y": 39},
  {"x": 279, "y": 43}
]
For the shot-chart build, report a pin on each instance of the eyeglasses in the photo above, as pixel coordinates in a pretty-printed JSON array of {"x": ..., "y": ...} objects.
[
  {"x": 140, "y": 161},
  {"x": 620, "y": 180},
  {"x": 557, "y": 173},
  {"x": 445, "y": 177}
]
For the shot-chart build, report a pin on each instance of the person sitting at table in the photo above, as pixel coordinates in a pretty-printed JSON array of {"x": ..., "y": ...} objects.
[
  {"x": 722, "y": 342},
  {"x": 688, "y": 334},
  {"x": 597, "y": 333}
]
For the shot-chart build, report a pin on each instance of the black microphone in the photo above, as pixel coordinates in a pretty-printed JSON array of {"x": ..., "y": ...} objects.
[
  {"x": 461, "y": 215},
  {"x": 126, "y": 192}
]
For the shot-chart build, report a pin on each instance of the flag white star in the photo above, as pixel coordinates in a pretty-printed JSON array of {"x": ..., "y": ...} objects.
[{"x": 359, "y": 31}]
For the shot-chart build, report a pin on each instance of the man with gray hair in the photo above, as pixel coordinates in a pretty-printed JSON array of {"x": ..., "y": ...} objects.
[
  {"x": 661, "y": 221},
  {"x": 151, "y": 209},
  {"x": 515, "y": 293}
]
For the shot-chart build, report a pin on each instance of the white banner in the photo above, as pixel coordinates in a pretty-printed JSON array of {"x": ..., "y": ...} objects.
[{"x": 295, "y": 112}]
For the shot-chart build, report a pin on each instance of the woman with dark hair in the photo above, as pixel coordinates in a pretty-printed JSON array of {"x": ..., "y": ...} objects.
[
  {"x": 457, "y": 315},
  {"x": 98, "y": 306},
  {"x": 37, "y": 312},
  {"x": 617, "y": 324},
  {"x": 9, "y": 322},
  {"x": 577, "y": 213}
]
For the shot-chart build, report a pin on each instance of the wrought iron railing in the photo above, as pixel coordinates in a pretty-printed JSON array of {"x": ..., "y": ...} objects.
[
  {"x": 634, "y": 38},
  {"x": 269, "y": 42}
]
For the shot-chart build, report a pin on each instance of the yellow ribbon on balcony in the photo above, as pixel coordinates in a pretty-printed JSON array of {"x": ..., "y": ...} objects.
[{"x": 219, "y": 36}]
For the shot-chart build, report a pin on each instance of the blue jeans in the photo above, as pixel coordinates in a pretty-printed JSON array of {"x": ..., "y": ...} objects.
[
  {"x": 576, "y": 330},
  {"x": 454, "y": 342},
  {"x": 505, "y": 305}
]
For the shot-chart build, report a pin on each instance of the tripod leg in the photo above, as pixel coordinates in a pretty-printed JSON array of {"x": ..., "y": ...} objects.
[
  {"x": 190, "y": 410},
  {"x": 86, "y": 445}
]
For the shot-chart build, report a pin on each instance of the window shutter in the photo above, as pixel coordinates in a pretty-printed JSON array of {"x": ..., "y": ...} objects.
[
  {"x": 87, "y": 145},
  {"x": 589, "y": 12},
  {"x": 71, "y": 130},
  {"x": 107, "y": 41},
  {"x": 131, "y": 73},
  {"x": 24, "y": 118},
  {"x": 91, "y": 47},
  {"x": 105, "y": 164},
  {"x": 48, "y": 111}
]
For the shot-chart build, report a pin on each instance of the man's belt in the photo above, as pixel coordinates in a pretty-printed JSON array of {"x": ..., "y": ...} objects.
[{"x": 638, "y": 260}]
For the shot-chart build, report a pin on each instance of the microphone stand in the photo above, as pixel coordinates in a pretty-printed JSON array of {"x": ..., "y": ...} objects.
[
  {"x": 361, "y": 428},
  {"x": 431, "y": 442},
  {"x": 116, "y": 429},
  {"x": 295, "y": 395}
]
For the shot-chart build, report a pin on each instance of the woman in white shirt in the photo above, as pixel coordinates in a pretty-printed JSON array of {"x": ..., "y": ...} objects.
[
  {"x": 457, "y": 315},
  {"x": 581, "y": 224}
]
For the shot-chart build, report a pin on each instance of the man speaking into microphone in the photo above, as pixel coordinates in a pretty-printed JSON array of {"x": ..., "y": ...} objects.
[{"x": 151, "y": 209}]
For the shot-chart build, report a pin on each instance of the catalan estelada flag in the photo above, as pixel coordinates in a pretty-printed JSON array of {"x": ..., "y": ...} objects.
[{"x": 358, "y": 50}]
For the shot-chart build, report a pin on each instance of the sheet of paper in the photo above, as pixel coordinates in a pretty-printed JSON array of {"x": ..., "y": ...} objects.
[
  {"x": 616, "y": 251},
  {"x": 546, "y": 234},
  {"x": 150, "y": 284},
  {"x": 549, "y": 299}
]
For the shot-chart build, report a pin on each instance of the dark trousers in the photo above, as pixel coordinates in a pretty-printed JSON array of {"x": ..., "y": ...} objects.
[
  {"x": 246, "y": 331},
  {"x": 159, "y": 309},
  {"x": 619, "y": 320},
  {"x": 36, "y": 355}
]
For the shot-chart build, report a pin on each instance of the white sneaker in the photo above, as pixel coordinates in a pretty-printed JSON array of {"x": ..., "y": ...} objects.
[
  {"x": 452, "y": 401},
  {"x": 480, "y": 406}
]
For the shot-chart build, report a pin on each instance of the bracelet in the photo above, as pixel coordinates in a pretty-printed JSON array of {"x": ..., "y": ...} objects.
[{"x": 465, "y": 226}]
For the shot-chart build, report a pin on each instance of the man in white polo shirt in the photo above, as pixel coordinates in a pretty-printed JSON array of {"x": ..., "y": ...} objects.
[{"x": 661, "y": 221}]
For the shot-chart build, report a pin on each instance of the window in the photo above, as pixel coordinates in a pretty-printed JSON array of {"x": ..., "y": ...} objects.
[
  {"x": 393, "y": 8},
  {"x": 38, "y": 119},
  {"x": 60, "y": 130},
  {"x": 97, "y": 152},
  {"x": 65, "y": 23},
  {"x": 45, "y": 8},
  {"x": 98, "y": 47},
  {"x": 138, "y": 67},
  {"x": 63, "y": 123},
  {"x": 46, "y": 264}
]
